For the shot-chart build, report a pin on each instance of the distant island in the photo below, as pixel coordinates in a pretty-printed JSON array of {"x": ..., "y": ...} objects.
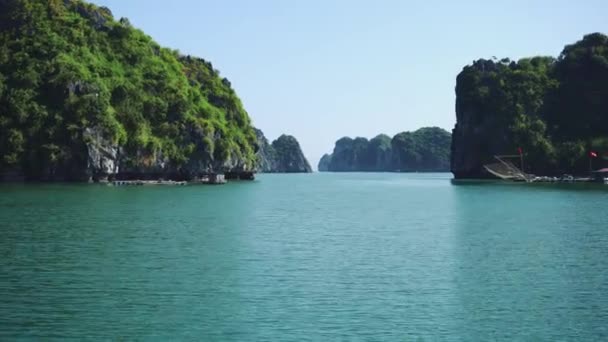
[
  {"x": 284, "y": 155},
  {"x": 552, "y": 110},
  {"x": 424, "y": 150},
  {"x": 86, "y": 97}
]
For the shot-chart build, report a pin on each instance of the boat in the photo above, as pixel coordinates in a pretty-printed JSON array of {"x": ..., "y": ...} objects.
[
  {"x": 601, "y": 175},
  {"x": 506, "y": 170}
]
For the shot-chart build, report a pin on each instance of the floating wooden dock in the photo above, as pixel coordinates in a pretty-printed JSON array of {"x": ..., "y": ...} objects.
[
  {"x": 213, "y": 179},
  {"x": 210, "y": 179},
  {"x": 562, "y": 179},
  {"x": 145, "y": 182}
]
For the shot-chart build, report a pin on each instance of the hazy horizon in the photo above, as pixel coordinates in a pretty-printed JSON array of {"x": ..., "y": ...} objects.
[{"x": 320, "y": 71}]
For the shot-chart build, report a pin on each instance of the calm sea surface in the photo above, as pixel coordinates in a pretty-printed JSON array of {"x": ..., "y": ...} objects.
[{"x": 370, "y": 257}]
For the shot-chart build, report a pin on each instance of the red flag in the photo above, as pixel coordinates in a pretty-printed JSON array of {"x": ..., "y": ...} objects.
[
  {"x": 520, "y": 150},
  {"x": 593, "y": 154}
]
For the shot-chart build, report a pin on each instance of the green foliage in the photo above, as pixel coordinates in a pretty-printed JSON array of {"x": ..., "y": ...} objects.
[
  {"x": 379, "y": 151},
  {"x": 531, "y": 133},
  {"x": 427, "y": 149},
  {"x": 68, "y": 65},
  {"x": 289, "y": 156},
  {"x": 580, "y": 103},
  {"x": 599, "y": 144},
  {"x": 13, "y": 145},
  {"x": 553, "y": 108},
  {"x": 406, "y": 154},
  {"x": 342, "y": 159},
  {"x": 571, "y": 154}
]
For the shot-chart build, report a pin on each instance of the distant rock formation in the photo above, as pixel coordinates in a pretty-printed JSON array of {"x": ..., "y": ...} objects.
[
  {"x": 266, "y": 154},
  {"x": 284, "y": 155},
  {"x": 424, "y": 150},
  {"x": 324, "y": 163}
]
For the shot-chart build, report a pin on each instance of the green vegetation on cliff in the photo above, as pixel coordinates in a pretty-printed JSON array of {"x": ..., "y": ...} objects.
[
  {"x": 556, "y": 110},
  {"x": 67, "y": 66},
  {"x": 284, "y": 155},
  {"x": 289, "y": 155},
  {"x": 427, "y": 149}
]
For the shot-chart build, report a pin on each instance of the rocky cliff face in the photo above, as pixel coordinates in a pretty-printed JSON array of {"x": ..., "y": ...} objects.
[
  {"x": 266, "y": 154},
  {"x": 478, "y": 134},
  {"x": 101, "y": 159},
  {"x": 484, "y": 116},
  {"x": 102, "y": 155},
  {"x": 284, "y": 155},
  {"x": 472, "y": 147}
]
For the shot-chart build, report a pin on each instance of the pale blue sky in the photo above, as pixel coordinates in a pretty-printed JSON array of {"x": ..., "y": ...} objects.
[{"x": 323, "y": 69}]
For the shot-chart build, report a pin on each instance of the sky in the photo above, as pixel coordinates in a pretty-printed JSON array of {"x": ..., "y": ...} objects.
[{"x": 323, "y": 69}]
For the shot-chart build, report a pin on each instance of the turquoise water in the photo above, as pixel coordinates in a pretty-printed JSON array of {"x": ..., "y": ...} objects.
[{"x": 320, "y": 257}]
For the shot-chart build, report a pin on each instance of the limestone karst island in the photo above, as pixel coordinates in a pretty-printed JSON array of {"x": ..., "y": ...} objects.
[
  {"x": 84, "y": 96},
  {"x": 551, "y": 113}
]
